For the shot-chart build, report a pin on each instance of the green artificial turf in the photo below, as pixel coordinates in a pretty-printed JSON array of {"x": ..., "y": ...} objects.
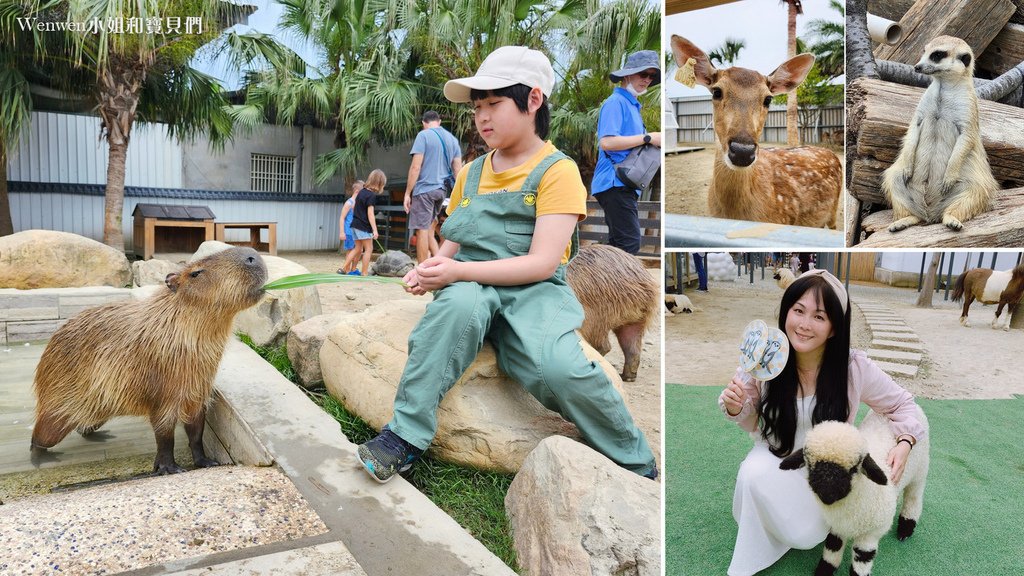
[{"x": 973, "y": 515}]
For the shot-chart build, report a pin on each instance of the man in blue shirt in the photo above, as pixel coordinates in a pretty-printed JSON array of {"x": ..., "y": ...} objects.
[
  {"x": 436, "y": 156},
  {"x": 620, "y": 129}
]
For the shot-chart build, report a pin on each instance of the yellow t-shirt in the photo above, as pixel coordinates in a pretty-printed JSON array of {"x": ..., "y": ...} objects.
[{"x": 561, "y": 190}]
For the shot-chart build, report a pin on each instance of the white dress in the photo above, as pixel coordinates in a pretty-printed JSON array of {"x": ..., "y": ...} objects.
[{"x": 775, "y": 509}]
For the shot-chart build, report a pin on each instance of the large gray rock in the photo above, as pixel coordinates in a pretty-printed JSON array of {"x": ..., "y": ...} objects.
[
  {"x": 152, "y": 272},
  {"x": 268, "y": 322},
  {"x": 486, "y": 421},
  {"x": 304, "y": 342},
  {"x": 49, "y": 259},
  {"x": 576, "y": 513}
]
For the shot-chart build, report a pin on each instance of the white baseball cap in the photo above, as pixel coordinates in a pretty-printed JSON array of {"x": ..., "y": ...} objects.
[{"x": 506, "y": 66}]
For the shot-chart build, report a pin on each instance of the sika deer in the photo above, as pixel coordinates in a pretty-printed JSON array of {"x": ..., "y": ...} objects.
[{"x": 797, "y": 186}]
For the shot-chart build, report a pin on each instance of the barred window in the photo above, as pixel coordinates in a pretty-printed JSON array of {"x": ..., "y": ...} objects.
[{"x": 269, "y": 173}]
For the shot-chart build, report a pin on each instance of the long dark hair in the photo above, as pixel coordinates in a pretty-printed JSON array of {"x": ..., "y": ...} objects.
[{"x": 778, "y": 402}]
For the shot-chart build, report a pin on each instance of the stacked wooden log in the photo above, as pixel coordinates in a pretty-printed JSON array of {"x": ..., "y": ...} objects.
[{"x": 880, "y": 111}]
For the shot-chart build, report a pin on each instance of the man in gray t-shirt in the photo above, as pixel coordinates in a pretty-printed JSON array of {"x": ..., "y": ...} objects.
[{"x": 436, "y": 155}]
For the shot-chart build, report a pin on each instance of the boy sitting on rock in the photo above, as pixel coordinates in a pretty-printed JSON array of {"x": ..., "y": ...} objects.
[{"x": 500, "y": 275}]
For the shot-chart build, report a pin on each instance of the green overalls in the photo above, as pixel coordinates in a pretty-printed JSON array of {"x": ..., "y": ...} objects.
[{"x": 532, "y": 328}]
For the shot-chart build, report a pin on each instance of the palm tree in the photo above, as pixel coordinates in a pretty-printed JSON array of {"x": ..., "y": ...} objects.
[
  {"x": 728, "y": 52},
  {"x": 144, "y": 73},
  {"x": 829, "y": 41},
  {"x": 15, "y": 113},
  {"x": 620, "y": 28},
  {"x": 795, "y": 7},
  {"x": 16, "y": 58},
  {"x": 385, "y": 63}
]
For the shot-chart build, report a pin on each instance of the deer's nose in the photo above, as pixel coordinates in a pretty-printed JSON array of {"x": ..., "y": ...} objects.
[{"x": 741, "y": 153}]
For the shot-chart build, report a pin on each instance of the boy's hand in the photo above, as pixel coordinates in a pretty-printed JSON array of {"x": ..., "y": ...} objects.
[
  {"x": 655, "y": 138},
  {"x": 342, "y": 236},
  {"x": 412, "y": 283},
  {"x": 407, "y": 202},
  {"x": 437, "y": 272}
]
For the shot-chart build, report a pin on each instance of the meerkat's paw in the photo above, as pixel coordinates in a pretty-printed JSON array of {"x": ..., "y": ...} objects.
[
  {"x": 904, "y": 223},
  {"x": 947, "y": 185},
  {"x": 908, "y": 175},
  {"x": 952, "y": 222}
]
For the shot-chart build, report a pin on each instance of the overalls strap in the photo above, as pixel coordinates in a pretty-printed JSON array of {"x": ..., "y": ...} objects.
[
  {"x": 476, "y": 169},
  {"x": 533, "y": 179}
]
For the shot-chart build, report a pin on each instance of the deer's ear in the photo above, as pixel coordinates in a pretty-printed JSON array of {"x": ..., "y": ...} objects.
[
  {"x": 790, "y": 74},
  {"x": 703, "y": 70}
]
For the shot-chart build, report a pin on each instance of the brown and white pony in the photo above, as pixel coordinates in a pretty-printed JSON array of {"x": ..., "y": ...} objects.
[{"x": 990, "y": 287}]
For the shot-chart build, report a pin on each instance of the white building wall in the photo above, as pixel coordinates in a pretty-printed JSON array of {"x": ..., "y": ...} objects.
[{"x": 67, "y": 148}]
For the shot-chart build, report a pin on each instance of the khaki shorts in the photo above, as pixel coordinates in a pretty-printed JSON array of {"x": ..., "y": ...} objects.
[{"x": 424, "y": 209}]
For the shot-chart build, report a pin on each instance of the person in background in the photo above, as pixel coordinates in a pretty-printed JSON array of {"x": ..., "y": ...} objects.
[
  {"x": 348, "y": 240},
  {"x": 620, "y": 129},
  {"x": 364, "y": 222}
]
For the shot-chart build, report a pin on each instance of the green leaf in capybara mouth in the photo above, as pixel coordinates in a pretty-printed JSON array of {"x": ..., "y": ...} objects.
[{"x": 303, "y": 280}]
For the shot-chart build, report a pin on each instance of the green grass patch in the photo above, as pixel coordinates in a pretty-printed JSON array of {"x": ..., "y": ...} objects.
[
  {"x": 972, "y": 509},
  {"x": 474, "y": 498}
]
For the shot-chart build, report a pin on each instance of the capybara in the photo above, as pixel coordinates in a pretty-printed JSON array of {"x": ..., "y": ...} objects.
[
  {"x": 617, "y": 295},
  {"x": 155, "y": 357}
]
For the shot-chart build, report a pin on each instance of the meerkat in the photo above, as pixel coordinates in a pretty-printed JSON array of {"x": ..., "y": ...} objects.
[{"x": 942, "y": 173}]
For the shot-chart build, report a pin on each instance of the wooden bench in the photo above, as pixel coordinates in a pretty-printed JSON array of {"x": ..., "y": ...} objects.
[
  {"x": 593, "y": 229},
  {"x": 254, "y": 228}
]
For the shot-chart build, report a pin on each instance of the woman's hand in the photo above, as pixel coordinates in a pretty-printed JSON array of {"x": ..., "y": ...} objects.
[
  {"x": 734, "y": 396},
  {"x": 375, "y": 236},
  {"x": 898, "y": 460},
  {"x": 437, "y": 272}
]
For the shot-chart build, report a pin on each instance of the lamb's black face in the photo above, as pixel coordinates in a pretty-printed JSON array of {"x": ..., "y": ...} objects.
[{"x": 830, "y": 481}]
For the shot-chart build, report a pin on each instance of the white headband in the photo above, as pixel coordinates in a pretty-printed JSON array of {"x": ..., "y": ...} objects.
[{"x": 834, "y": 282}]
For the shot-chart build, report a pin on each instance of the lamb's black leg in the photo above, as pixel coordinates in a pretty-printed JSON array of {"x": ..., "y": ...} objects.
[{"x": 831, "y": 556}]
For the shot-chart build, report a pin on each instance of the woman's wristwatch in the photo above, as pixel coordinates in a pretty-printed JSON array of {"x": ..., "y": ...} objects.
[{"x": 647, "y": 138}]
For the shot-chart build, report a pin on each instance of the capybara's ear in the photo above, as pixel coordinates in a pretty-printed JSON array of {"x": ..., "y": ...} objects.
[
  {"x": 790, "y": 74},
  {"x": 793, "y": 461},
  {"x": 872, "y": 471},
  {"x": 172, "y": 281}
]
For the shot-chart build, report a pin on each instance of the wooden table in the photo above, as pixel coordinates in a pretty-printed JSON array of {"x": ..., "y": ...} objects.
[{"x": 254, "y": 235}]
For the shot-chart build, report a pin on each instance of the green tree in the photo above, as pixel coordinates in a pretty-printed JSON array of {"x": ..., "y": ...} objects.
[
  {"x": 828, "y": 41},
  {"x": 17, "y": 48},
  {"x": 383, "y": 64},
  {"x": 728, "y": 52}
]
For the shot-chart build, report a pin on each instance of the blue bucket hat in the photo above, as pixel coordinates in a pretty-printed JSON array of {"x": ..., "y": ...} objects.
[{"x": 638, "y": 62}]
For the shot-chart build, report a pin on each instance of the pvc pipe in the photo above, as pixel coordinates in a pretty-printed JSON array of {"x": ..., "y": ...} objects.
[{"x": 884, "y": 31}]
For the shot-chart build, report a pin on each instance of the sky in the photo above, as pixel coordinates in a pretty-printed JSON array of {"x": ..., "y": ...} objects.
[
  {"x": 761, "y": 23},
  {"x": 264, "y": 20}
]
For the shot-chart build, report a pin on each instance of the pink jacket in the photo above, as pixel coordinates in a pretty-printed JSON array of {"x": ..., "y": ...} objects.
[{"x": 867, "y": 384}]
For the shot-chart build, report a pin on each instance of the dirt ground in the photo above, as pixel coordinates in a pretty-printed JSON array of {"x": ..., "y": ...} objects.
[
  {"x": 687, "y": 177},
  {"x": 644, "y": 395},
  {"x": 959, "y": 363}
]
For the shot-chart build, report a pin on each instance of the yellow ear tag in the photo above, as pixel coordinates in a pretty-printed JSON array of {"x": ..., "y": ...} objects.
[
  {"x": 530, "y": 199},
  {"x": 464, "y": 203},
  {"x": 684, "y": 74}
]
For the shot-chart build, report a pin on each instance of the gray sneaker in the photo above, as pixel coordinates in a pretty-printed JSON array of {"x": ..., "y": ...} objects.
[{"x": 387, "y": 455}]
